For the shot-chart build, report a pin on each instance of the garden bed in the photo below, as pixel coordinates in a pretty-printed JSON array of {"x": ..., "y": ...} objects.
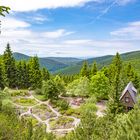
[
  {"x": 14, "y": 93},
  {"x": 25, "y": 101},
  {"x": 61, "y": 123},
  {"x": 43, "y": 112}
]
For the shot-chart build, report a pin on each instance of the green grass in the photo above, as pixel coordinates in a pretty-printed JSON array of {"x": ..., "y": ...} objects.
[
  {"x": 25, "y": 101},
  {"x": 6, "y": 102},
  {"x": 32, "y": 119}
]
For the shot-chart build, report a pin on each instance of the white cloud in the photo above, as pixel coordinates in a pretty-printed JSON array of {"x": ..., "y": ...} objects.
[
  {"x": 38, "y": 18},
  {"x": 124, "y": 2},
  {"x": 56, "y": 34},
  {"x": 54, "y": 43},
  {"x": 99, "y": 43},
  {"x": 11, "y": 23},
  {"x": 77, "y": 42},
  {"x": 131, "y": 31},
  {"x": 21, "y": 5}
]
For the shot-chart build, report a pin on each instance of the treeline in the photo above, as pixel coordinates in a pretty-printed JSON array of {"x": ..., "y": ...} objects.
[
  {"x": 28, "y": 74},
  {"x": 21, "y": 74}
]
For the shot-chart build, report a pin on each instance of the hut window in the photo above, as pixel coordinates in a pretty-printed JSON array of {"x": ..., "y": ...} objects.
[{"x": 127, "y": 99}]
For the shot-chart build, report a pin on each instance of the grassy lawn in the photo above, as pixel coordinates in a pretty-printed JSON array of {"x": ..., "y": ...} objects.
[
  {"x": 25, "y": 101},
  {"x": 43, "y": 111},
  {"x": 61, "y": 123}
]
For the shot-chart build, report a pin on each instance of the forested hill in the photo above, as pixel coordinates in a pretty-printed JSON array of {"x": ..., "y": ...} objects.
[
  {"x": 70, "y": 65},
  {"x": 51, "y": 63},
  {"x": 132, "y": 57}
]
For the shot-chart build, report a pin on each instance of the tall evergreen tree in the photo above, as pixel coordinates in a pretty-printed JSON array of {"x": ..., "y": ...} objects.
[
  {"x": 22, "y": 75},
  {"x": 19, "y": 75},
  {"x": 45, "y": 74},
  {"x": 25, "y": 68},
  {"x": 9, "y": 67},
  {"x": 114, "y": 102},
  {"x": 94, "y": 69},
  {"x": 118, "y": 66},
  {"x": 84, "y": 71},
  {"x": 132, "y": 75},
  {"x": 130, "y": 71},
  {"x": 35, "y": 77}
]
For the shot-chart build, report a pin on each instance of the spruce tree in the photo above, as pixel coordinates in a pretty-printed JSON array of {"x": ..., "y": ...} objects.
[
  {"x": 45, "y": 74},
  {"x": 130, "y": 71},
  {"x": 94, "y": 69},
  {"x": 25, "y": 70},
  {"x": 84, "y": 70},
  {"x": 132, "y": 75},
  {"x": 19, "y": 75},
  {"x": 35, "y": 77},
  {"x": 118, "y": 66},
  {"x": 9, "y": 68},
  {"x": 114, "y": 105}
]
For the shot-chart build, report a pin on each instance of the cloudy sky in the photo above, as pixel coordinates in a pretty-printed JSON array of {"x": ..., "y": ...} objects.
[{"x": 71, "y": 28}]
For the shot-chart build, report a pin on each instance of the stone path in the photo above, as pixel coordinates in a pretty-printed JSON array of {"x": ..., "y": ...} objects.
[
  {"x": 101, "y": 108},
  {"x": 46, "y": 122}
]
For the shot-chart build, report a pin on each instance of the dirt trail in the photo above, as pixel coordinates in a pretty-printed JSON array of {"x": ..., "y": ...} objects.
[
  {"x": 48, "y": 129},
  {"x": 101, "y": 108}
]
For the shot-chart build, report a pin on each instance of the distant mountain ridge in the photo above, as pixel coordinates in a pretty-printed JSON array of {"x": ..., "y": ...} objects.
[
  {"x": 51, "y": 63},
  {"x": 69, "y": 65},
  {"x": 130, "y": 57}
]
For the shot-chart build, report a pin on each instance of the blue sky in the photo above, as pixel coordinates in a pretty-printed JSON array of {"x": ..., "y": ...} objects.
[{"x": 73, "y": 28}]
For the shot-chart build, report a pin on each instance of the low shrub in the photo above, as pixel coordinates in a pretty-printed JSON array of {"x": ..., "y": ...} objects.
[
  {"x": 38, "y": 91},
  {"x": 61, "y": 104},
  {"x": 73, "y": 112}
]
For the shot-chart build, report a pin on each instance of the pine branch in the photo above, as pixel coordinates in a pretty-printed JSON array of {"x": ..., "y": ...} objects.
[{"x": 3, "y": 10}]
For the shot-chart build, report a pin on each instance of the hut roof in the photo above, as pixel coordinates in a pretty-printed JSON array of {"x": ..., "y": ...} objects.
[{"x": 132, "y": 90}]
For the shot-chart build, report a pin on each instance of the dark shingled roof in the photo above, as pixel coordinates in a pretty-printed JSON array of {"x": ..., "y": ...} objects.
[{"x": 132, "y": 90}]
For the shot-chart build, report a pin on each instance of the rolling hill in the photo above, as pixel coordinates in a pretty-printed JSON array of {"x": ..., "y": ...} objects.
[
  {"x": 51, "y": 63},
  {"x": 68, "y": 65},
  {"x": 132, "y": 57}
]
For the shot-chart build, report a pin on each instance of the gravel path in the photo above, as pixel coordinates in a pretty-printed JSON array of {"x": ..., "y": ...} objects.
[{"x": 46, "y": 122}]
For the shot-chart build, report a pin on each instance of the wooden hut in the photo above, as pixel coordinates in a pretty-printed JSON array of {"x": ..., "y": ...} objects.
[{"x": 129, "y": 96}]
